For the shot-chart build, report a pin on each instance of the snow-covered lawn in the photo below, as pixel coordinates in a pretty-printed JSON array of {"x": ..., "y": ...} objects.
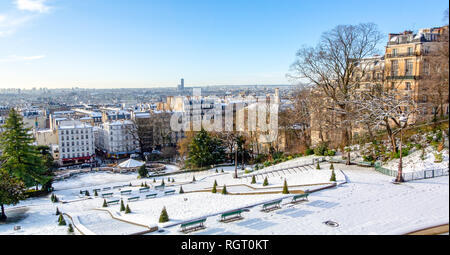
[
  {"x": 368, "y": 204},
  {"x": 414, "y": 163}
]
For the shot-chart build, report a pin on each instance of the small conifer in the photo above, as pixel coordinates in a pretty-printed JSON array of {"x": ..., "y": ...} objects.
[
  {"x": 70, "y": 230},
  {"x": 266, "y": 182},
  {"x": 164, "y": 217},
  {"x": 285, "y": 188},
  {"x": 104, "y": 203},
  {"x": 214, "y": 189},
  {"x": 61, "y": 220},
  {"x": 122, "y": 206},
  {"x": 127, "y": 210},
  {"x": 253, "y": 180},
  {"x": 181, "y": 190},
  {"x": 224, "y": 190}
]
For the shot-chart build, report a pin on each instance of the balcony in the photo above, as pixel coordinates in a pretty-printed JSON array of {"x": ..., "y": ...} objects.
[
  {"x": 404, "y": 77},
  {"x": 402, "y": 55}
]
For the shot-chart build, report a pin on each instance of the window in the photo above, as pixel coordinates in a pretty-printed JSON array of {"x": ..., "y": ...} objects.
[
  {"x": 426, "y": 67},
  {"x": 394, "y": 52},
  {"x": 410, "y": 51},
  {"x": 393, "y": 85},
  {"x": 408, "y": 86},
  {"x": 394, "y": 66},
  {"x": 409, "y": 67}
]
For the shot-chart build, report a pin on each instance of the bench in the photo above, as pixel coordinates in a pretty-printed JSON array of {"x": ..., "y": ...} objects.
[
  {"x": 96, "y": 190},
  {"x": 159, "y": 187},
  {"x": 126, "y": 185},
  {"x": 235, "y": 213},
  {"x": 125, "y": 192},
  {"x": 169, "y": 192},
  {"x": 191, "y": 226},
  {"x": 301, "y": 197},
  {"x": 107, "y": 188},
  {"x": 117, "y": 187},
  {"x": 272, "y": 205},
  {"x": 116, "y": 201},
  {"x": 130, "y": 199},
  {"x": 145, "y": 189},
  {"x": 107, "y": 194},
  {"x": 150, "y": 195}
]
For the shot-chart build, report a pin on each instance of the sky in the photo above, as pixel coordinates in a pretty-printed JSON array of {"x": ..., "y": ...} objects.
[{"x": 155, "y": 43}]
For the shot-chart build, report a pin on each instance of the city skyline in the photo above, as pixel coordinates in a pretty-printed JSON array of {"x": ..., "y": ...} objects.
[{"x": 64, "y": 44}]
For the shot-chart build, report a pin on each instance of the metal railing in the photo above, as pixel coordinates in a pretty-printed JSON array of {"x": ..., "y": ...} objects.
[{"x": 410, "y": 176}]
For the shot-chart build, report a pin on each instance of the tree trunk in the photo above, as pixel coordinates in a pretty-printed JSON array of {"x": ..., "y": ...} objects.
[
  {"x": 391, "y": 137},
  {"x": 3, "y": 215}
]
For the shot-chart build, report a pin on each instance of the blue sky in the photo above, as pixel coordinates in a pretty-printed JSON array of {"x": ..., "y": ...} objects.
[{"x": 154, "y": 43}]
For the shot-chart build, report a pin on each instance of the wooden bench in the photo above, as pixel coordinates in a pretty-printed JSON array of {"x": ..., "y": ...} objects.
[
  {"x": 126, "y": 185},
  {"x": 125, "y": 192},
  {"x": 235, "y": 213},
  {"x": 301, "y": 197},
  {"x": 159, "y": 187},
  {"x": 107, "y": 188},
  {"x": 111, "y": 202},
  {"x": 169, "y": 192},
  {"x": 191, "y": 226},
  {"x": 107, "y": 194},
  {"x": 145, "y": 189},
  {"x": 272, "y": 206},
  {"x": 117, "y": 187},
  {"x": 131, "y": 199},
  {"x": 150, "y": 195}
]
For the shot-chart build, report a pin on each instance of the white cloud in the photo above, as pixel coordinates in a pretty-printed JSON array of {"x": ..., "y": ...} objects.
[
  {"x": 21, "y": 58},
  {"x": 32, "y": 5}
]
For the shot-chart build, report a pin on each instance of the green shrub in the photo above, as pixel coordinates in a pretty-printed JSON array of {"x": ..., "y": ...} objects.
[
  {"x": 438, "y": 157},
  {"x": 104, "y": 203},
  {"x": 309, "y": 152},
  {"x": 70, "y": 229},
  {"x": 285, "y": 188},
  {"x": 224, "y": 190},
  {"x": 321, "y": 149},
  {"x": 181, "y": 190},
  {"x": 290, "y": 157},
  {"x": 164, "y": 217},
  {"x": 214, "y": 189},
  {"x": 61, "y": 220},
  {"x": 331, "y": 153},
  {"x": 253, "y": 180},
  {"x": 332, "y": 166},
  {"x": 318, "y": 166},
  {"x": 57, "y": 211},
  {"x": 333, "y": 176},
  {"x": 127, "y": 210},
  {"x": 95, "y": 193},
  {"x": 266, "y": 182},
  {"x": 122, "y": 206}
]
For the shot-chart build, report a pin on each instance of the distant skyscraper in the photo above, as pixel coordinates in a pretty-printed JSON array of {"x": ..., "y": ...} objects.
[{"x": 181, "y": 86}]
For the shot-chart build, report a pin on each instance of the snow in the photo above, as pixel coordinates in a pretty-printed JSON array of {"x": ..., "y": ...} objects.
[
  {"x": 368, "y": 204},
  {"x": 414, "y": 163}
]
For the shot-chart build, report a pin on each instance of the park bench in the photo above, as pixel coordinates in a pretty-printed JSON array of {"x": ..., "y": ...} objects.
[
  {"x": 117, "y": 187},
  {"x": 94, "y": 190},
  {"x": 159, "y": 187},
  {"x": 169, "y": 192},
  {"x": 301, "y": 197},
  {"x": 126, "y": 185},
  {"x": 271, "y": 206},
  {"x": 110, "y": 202},
  {"x": 125, "y": 192},
  {"x": 107, "y": 188},
  {"x": 107, "y": 194},
  {"x": 131, "y": 199},
  {"x": 235, "y": 213},
  {"x": 150, "y": 196},
  {"x": 145, "y": 189},
  {"x": 191, "y": 226},
  {"x": 83, "y": 191}
]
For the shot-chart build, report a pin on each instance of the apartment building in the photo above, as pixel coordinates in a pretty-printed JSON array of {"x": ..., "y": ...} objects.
[
  {"x": 75, "y": 142},
  {"x": 117, "y": 139}
]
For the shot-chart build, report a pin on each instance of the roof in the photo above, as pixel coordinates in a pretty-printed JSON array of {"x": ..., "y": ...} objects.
[{"x": 131, "y": 163}]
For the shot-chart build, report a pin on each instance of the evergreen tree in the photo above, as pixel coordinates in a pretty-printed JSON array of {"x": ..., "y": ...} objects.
[
  {"x": 205, "y": 150},
  {"x": 266, "y": 182},
  {"x": 181, "y": 190},
  {"x": 285, "y": 188},
  {"x": 154, "y": 180},
  {"x": 127, "y": 210},
  {"x": 70, "y": 229},
  {"x": 333, "y": 176},
  {"x": 61, "y": 220},
  {"x": 87, "y": 193},
  {"x": 318, "y": 166},
  {"x": 214, "y": 189},
  {"x": 331, "y": 166},
  {"x": 224, "y": 190},
  {"x": 104, "y": 203},
  {"x": 95, "y": 193},
  {"x": 162, "y": 182},
  {"x": 253, "y": 180},
  {"x": 173, "y": 180},
  {"x": 12, "y": 190},
  {"x": 130, "y": 184},
  {"x": 142, "y": 171},
  {"x": 221, "y": 170},
  {"x": 81, "y": 193},
  {"x": 164, "y": 217},
  {"x": 217, "y": 170},
  {"x": 19, "y": 157},
  {"x": 122, "y": 206},
  {"x": 57, "y": 211},
  {"x": 193, "y": 178}
]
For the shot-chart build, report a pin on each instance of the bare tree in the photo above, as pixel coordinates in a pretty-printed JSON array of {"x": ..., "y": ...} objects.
[{"x": 329, "y": 66}]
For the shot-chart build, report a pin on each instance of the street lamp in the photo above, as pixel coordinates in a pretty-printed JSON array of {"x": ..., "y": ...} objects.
[
  {"x": 403, "y": 121},
  {"x": 235, "y": 160}
]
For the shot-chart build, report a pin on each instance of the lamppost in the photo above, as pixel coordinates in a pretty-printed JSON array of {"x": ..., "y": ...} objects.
[
  {"x": 403, "y": 121},
  {"x": 235, "y": 160}
]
